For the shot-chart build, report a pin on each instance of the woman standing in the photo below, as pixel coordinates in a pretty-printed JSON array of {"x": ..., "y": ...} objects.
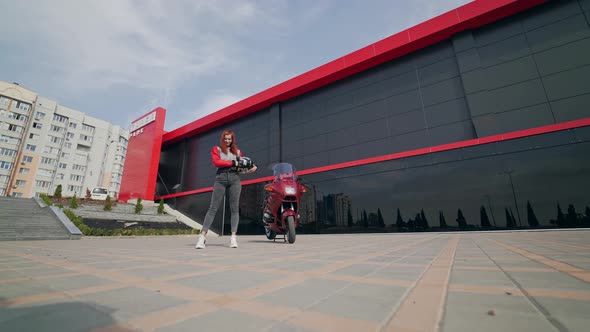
[{"x": 226, "y": 157}]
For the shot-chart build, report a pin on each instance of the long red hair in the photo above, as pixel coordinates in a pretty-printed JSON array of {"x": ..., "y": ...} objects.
[{"x": 233, "y": 147}]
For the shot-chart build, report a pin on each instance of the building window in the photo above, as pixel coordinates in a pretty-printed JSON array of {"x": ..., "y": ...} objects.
[
  {"x": 37, "y": 125},
  {"x": 40, "y": 115},
  {"x": 80, "y": 157},
  {"x": 20, "y": 117},
  {"x": 34, "y": 136},
  {"x": 55, "y": 140},
  {"x": 42, "y": 184},
  {"x": 4, "y": 101},
  {"x": 63, "y": 166},
  {"x": 60, "y": 118},
  {"x": 5, "y": 165},
  {"x": 86, "y": 138},
  {"x": 4, "y": 179},
  {"x": 59, "y": 176},
  {"x": 77, "y": 178},
  {"x": 73, "y": 125},
  {"x": 16, "y": 194},
  {"x": 7, "y": 152},
  {"x": 57, "y": 129},
  {"x": 76, "y": 167},
  {"x": 27, "y": 159},
  {"x": 24, "y": 170},
  {"x": 30, "y": 147},
  {"x": 48, "y": 161},
  {"x": 87, "y": 128},
  {"x": 20, "y": 183},
  {"x": 67, "y": 145},
  {"x": 50, "y": 150},
  {"x": 69, "y": 135},
  {"x": 23, "y": 106},
  {"x": 9, "y": 140},
  {"x": 45, "y": 172},
  {"x": 75, "y": 189}
]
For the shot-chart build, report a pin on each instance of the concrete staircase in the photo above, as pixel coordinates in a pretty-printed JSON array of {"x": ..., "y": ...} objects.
[{"x": 25, "y": 219}]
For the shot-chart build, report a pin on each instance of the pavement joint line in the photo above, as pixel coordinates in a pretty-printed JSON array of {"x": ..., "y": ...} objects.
[
  {"x": 139, "y": 267},
  {"x": 421, "y": 309},
  {"x": 536, "y": 304},
  {"x": 335, "y": 323},
  {"x": 216, "y": 301},
  {"x": 41, "y": 277},
  {"x": 561, "y": 244},
  {"x": 59, "y": 295},
  {"x": 562, "y": 267},
  {"x": 511, "y": 269},
  {"x": 302, "y": 276},
  {"x": 161, "y": 318},
  {"x": 293, "y": 278},
  {"x": 491, "y": 290}
]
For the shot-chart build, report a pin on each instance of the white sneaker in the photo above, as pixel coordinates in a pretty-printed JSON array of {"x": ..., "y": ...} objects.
[
  {"x": 233, "y": 242},
  {"x": 200, "y": 242}
]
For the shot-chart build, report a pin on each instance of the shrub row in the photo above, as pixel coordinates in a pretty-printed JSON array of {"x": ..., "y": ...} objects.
[{"x": 78, "y": 221}]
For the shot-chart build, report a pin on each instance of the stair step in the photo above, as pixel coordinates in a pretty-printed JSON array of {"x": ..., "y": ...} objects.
[{"x": 24, "y": 219}]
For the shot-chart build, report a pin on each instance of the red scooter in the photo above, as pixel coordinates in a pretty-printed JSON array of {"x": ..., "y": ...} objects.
[{"x": 281, "y": 207}]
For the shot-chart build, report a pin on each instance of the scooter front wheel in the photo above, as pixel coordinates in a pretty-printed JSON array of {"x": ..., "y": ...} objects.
[{"x": 291, "y": 229}]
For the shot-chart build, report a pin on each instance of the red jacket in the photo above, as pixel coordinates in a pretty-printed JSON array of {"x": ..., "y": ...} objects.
[{"x": 216, "y": 158}]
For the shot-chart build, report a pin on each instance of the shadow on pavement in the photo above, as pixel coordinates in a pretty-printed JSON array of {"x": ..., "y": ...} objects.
[{"x": 64, "y": 316}]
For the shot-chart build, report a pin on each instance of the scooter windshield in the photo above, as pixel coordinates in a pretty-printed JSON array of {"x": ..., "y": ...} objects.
[{"x": 284, "y": 171}]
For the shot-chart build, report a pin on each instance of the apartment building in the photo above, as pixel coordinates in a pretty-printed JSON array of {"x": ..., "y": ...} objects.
[{"x": 44, "y": 144}]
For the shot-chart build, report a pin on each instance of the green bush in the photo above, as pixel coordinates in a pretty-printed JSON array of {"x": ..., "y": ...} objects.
[
  {"x": 79, "y": 222},
  {"x": 161, "y": 207},
  {"x": 46, "y": 199},
  {"x": 57, "y": 193},
  {"x": 74, "y": 202},
  {"x": 138, "y": 206},
  {"x": 108, "y": 204}
]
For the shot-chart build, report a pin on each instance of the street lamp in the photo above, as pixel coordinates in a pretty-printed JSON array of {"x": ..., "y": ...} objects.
[{"x": 509, "y": 173}]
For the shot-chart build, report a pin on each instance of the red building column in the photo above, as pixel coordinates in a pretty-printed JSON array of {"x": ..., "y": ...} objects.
[{"x": 143, "y": 156}]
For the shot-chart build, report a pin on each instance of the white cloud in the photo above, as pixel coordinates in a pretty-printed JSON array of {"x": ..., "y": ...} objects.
[
  {"x": 152, "y": 45},
  {"x": 116, "y": 57},
  {"x": 216, "y": 103}
]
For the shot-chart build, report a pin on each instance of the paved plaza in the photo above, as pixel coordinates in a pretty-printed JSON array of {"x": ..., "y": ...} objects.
[{"x": 504, "y": 281}]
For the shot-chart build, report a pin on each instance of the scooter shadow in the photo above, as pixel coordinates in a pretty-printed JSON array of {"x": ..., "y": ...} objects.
[
  {"x": 268, "y": 241},
  {"x": 210, "y": 245}
]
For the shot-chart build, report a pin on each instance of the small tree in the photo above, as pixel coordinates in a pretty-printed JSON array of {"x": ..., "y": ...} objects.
[
  {"x": 161, "y": 207},
  {"x": 74, "y": 202},
  {"x": 88, "y": 194},
  {"x": 138, "y": 206},
  {"x": 108, "y": 204},
  {"x": 441, "y": 220},
  {"x": 57, "y": 193}
]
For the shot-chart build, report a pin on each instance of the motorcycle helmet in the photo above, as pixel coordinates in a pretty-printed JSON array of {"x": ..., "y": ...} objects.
[{"x": 245, "y": 162}]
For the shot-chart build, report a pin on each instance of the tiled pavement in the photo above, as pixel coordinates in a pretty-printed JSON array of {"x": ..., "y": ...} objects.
[{"x": 520, "y": 281}]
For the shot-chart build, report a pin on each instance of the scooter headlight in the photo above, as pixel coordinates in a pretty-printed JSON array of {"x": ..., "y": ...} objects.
[{"x": 290, "y": 190}]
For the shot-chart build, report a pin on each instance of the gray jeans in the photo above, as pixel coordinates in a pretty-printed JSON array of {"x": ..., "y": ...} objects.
[{"x": 229, "y": 181}]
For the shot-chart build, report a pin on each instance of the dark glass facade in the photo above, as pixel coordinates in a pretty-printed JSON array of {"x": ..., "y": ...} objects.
[{"x": 526, "y": 71}]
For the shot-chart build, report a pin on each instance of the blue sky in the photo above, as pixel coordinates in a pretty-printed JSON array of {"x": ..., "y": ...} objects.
[{"x": 118, "y": 59}]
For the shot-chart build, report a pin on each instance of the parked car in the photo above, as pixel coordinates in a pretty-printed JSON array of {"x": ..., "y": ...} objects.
[{"x": 99, "y": 193}]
